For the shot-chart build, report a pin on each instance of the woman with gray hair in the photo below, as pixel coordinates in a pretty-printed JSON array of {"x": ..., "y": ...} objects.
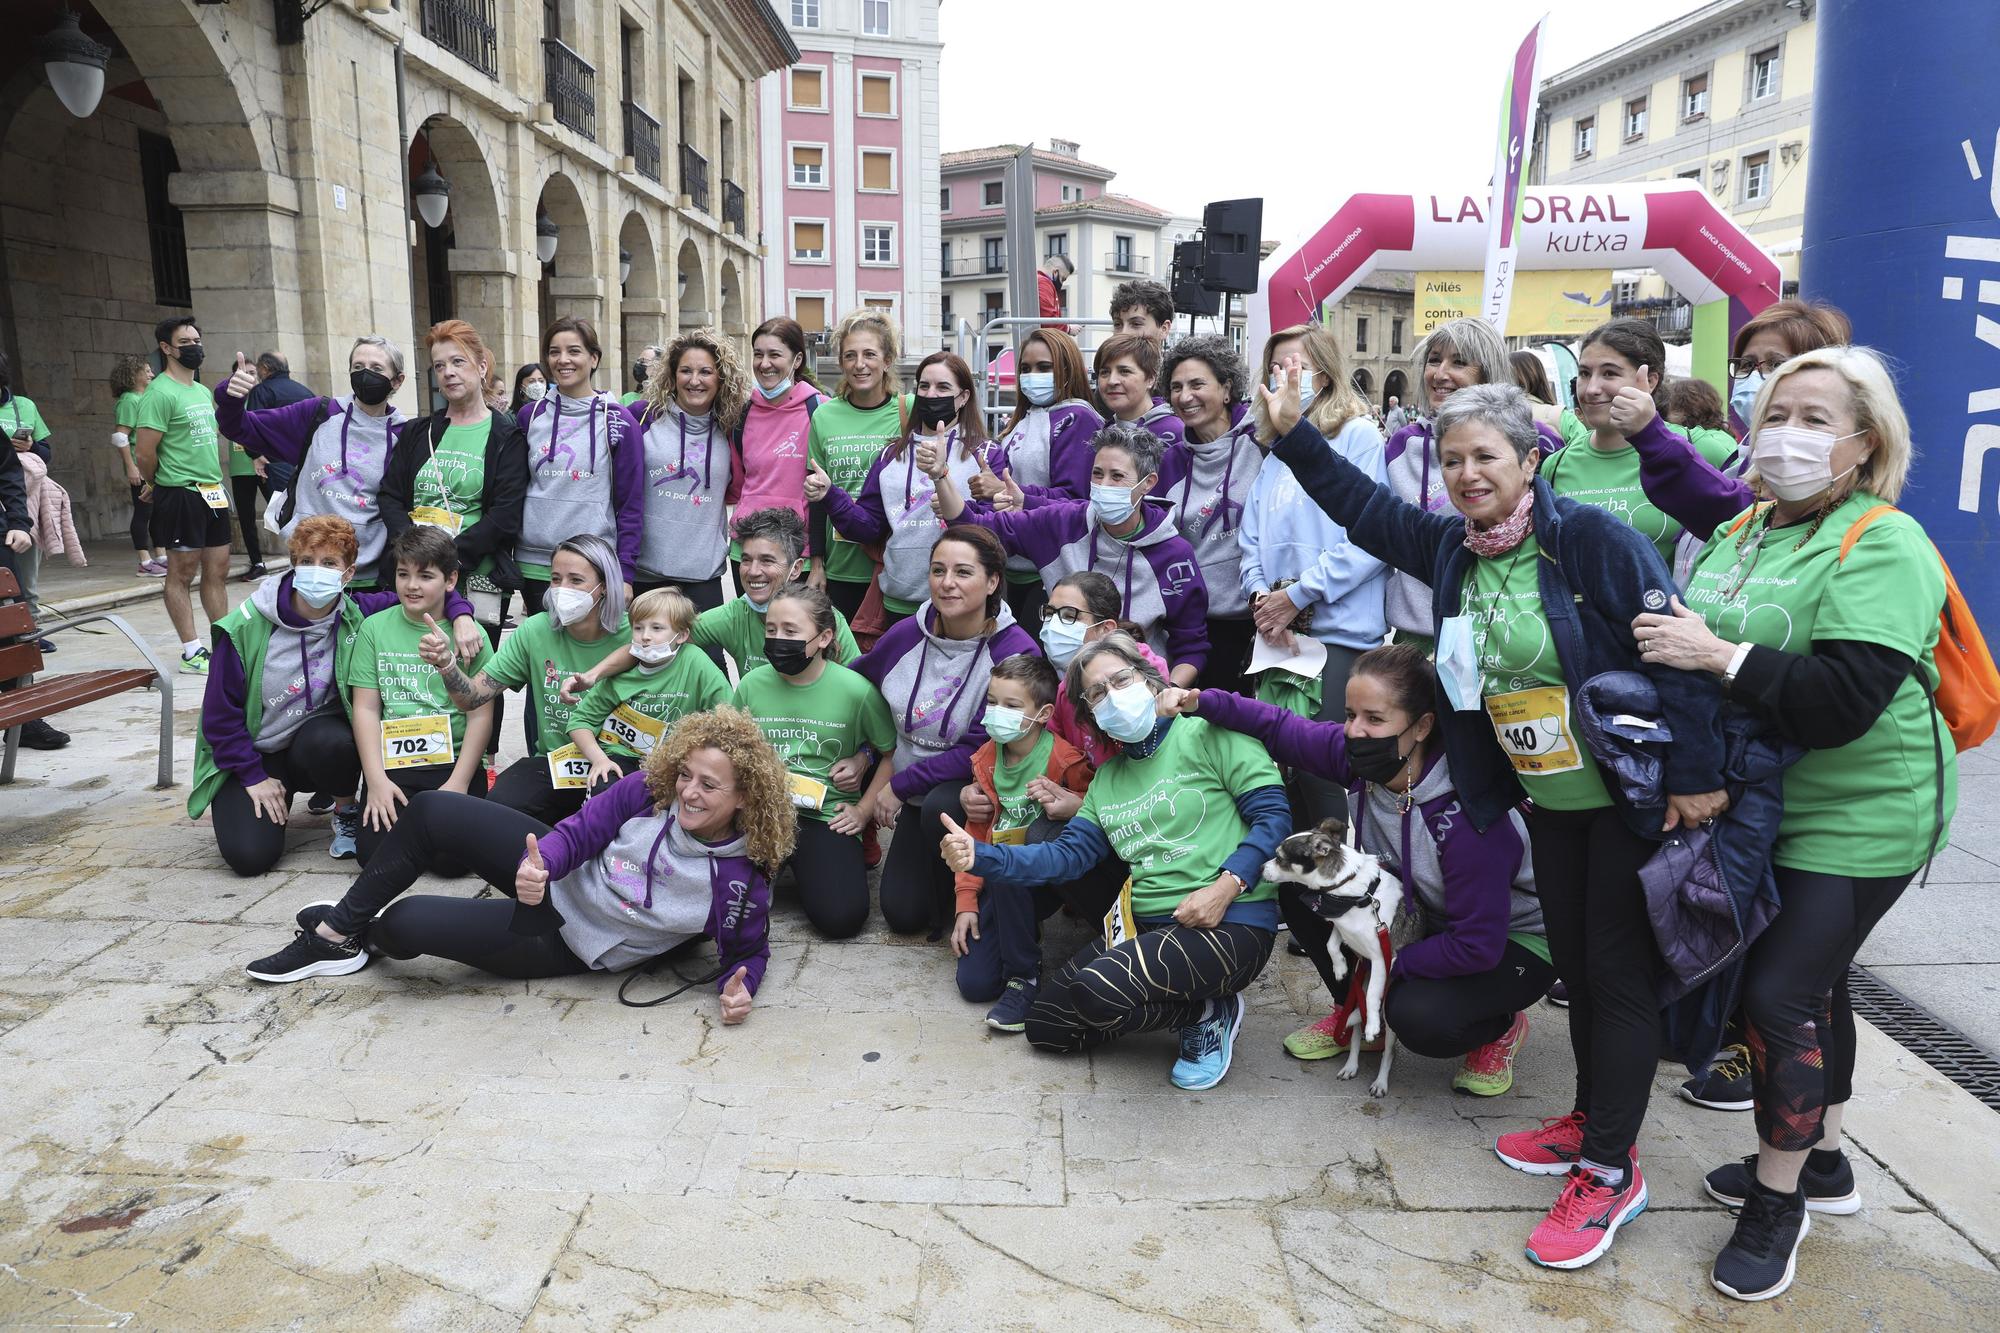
[
  {"x": 1162, "y": 593},
  {"x": 1534, "y": 594},
  {"x": 338, "y": 447},
  {"x": 581, "y": 621},
  {"x": 1205, "y": 384}
]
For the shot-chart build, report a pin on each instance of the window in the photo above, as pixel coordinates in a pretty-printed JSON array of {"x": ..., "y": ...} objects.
[
  {"x": 878, "y": 243},
  {"x": 944, "y": 258},
  {"x": 1635, "y": 119},
  {"x": 1072, "y": 193},
  {"x": 1694, "y": 97},
  {"x": 1395, "y": 337},
  {"x": 1691, "y": 174},
  {"x": 875, "y": 17},
  {"x": 1361, "y": 333},
  {"x": 1121, "y": 254},
  {"x": 1624, "y": 292},
  {"x": 878, "y": 95},
  {"x": 1586, "y": 136},
  {"x": 164, "y": 227},
  {"x": 886, "y": 304},
  {"x": 993, "y": 304},
  {"x": 1057, "y": 244},
  {"x": 878, "y": 169},
  {"x": 808, "y": 88},
  {"x": 992, "y": 250},
  {"x": 944, "y": 199},
  {"x": 809, "y": 242},
  {"x": 1764, "y": 74},
  {"x": 810, "y": 312},
  {"x": 1756, "y": 178},
  {"x": 989, "y": 194},
  {"x": 809, "y": 166},
  {"x": 944, "y": 304},
  {"x": 805, "y": 13}
]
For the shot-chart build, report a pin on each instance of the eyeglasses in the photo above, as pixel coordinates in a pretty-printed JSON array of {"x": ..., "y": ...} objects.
[
  {"x": 1118, "y": 680},
  {"x": 1743, "y": 366},
  {"x": 1069, "y": 615}
]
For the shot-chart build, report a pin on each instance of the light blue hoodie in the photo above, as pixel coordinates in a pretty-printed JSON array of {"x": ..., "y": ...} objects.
[{"x": 1286, "y": 535}]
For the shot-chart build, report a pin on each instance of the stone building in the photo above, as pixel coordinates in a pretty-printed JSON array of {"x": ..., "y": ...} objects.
[{"x": 251, "y": 163}]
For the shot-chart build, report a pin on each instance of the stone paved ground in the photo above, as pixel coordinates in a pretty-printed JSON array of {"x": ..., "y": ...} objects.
[{"x": 418, "y": 1147}]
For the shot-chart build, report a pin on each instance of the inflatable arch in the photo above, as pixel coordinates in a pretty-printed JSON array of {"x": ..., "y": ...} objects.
[{"x": 1670, "y": 226}]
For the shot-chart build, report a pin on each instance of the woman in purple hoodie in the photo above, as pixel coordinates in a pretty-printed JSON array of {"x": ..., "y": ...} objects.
[
  {"x": 681, "y": 850},
  {"x": 1463, "y": 989}
]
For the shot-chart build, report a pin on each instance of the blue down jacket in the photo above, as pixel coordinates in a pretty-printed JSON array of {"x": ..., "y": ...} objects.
[{"x": 1709, "y": 891}]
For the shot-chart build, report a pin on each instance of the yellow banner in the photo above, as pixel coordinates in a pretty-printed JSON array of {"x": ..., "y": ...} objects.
[{"x": 1564, "y": 302}]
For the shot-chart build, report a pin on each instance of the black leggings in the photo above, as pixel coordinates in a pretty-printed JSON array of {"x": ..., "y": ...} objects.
[
  {"x": 847, "y": 597},
  {"x": 320, "y": 758},
  {"x": 832, "y": 879},
  {"x": 1438, "y": 1017},
  {"x": 142, "y": 522},
  {"x": 1797, "y": 1020},
  {"x": 524, "y": 785},
  {"x": 1228, "y": 653},
  {"x": 1008, "y": 946},
  {"x": 916, "y": 886},
  {"x": 494, "y": 935},
  {"x": 1163, "y": 978},
  {"x": 1587, "y": 873},
  {"x": 246, "y": 489},
  {"x": 368, "y": 841}
]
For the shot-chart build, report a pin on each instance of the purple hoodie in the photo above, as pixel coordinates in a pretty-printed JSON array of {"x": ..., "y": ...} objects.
[
  {"x": 1049, "y": 452},
  {"x": 1685, "y": 486},
  {"x": 1472, "y": 888}
]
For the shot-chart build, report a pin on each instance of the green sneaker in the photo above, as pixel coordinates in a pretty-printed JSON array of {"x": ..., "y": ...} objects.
[
  {"x": 1325, "y": 1039},
  {"x": 1489, "y": 1071},
  {"x": 196, "y": 665}
]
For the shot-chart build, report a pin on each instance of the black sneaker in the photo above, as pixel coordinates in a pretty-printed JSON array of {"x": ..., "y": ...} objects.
[
  {"x": 46, "y": 645},
  {"x": 1826, "y": 1191},
  {"x": 1759, "y": 1260},
  {"x": 1559, "y": 995},
  {"x": 1010, "y": 1012},
  {"x": 252, "y": 574},
  {"x": 39, "y": 735},
  {"x": 310, "y": 956},
  {"x": 321, "y": 803},
  {"x": 1725, "y": 1084},
  {"x": 312, "y": 914}
]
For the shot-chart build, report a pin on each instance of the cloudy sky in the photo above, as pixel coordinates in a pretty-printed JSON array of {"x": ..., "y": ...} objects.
[{"x": 1300, "y": 101}]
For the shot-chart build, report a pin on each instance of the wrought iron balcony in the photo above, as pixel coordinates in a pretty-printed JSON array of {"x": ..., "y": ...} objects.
[
  {"x": 572, "y": 88},
  {"x": 1672, "y": 317},
  {"x": 467, "y": 29},
  {"x": 967, "y": 266},
  {"x": 1119, "y": 261},
  {"x": 732, "y": 207},
  {"x": 694, "y": 177},
  {"x": 642, "y": 140}
]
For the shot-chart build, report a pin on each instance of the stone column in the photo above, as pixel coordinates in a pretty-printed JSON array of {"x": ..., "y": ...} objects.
[{"x": 242, "y": 248}]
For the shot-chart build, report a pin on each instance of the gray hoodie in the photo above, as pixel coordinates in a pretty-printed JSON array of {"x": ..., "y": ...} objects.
[
  {"x": 650, "y": 889},
  {"x": 1380, "y": 836},
  {"x": 298, "y": 677},
  {"x": 1208, "y": 510}
]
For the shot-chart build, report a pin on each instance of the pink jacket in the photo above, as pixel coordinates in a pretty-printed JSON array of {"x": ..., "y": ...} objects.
[
  {"x": 48, "y": 505},
  {"x": 771, "y": 450}
]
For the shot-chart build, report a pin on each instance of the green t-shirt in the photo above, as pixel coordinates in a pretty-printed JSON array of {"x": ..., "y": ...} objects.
[
  {"x": 688, "y": 684},
  {"x": 813, "y": 727},
  {"x": 126, "y": 414},
  {"x": 184, "y": 414},
  {"x": 19, "y": 414},
  {"x": 1609, "y": 480},
  {"x": 454, "y": 477},
  {"x": 1570, "y": 426},
  {"x": 385, "y": 658},
  {"x": 1172, "y": 817},
  {"x": 738, "y": 629},
  {"x": 1869, "y": 807},
  {"x": 845, "y": 441},
  {"x": 1017, "y": 809},
  {"x": 539, "y": 656},
  {"x": 1522, "y": 683},
  {"x": 627, "y": 399}
]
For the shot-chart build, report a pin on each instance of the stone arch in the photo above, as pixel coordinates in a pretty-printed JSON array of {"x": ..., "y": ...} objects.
[
  {"x": 1396, "y": 385},
  {"x": 692, "y": 307},
  {"x": 642, "y": 314},
  {"x": 1364, "y": 383},
  {"x": 460, "y": 267},
  {"x": 572, "y": 284},
  {"x": 730, "y": 289}
]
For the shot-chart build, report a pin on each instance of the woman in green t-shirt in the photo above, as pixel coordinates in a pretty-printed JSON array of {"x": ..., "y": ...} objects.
[
  {"x": 1818, "y": 612},
  {"x": 847, "y": 435},
  {"x": 129, "y": 377},
  {"x": 1194, "y": 812}
]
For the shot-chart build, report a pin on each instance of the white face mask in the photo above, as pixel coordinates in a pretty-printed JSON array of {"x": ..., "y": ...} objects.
[
  {"x": 568, "y": 606},
  {"x": 1796, "y": 462},
  {"x": 533, "y": 390},
  {"x": 654, "y": 654}
]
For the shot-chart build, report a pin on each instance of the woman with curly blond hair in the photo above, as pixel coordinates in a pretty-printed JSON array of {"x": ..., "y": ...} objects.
[
  {"x": 692, "y": 405},
  {"x": 680, "y": 850}
]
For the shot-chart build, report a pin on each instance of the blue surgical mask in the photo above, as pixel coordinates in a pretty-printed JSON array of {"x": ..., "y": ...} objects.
[
  {"x": 1005, "y": 724},
  {"x": 317, "y": 584},
  {"x": 1062, "y": 642},
  {"x": 1743, "y": 396},
  {"x": 1111, "y": 504},
  {"x": 1038, "y": 387},
  {"x": 1306, "y": 391},
  {"x": 772, "y": 395},
  {"x": 1126, "y": 715}
]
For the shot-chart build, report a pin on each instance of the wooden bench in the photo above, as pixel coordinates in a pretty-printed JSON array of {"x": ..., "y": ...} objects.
[{"x": 20, "y": 655}]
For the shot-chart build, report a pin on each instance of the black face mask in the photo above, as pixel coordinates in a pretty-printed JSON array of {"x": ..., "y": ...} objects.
[
  {"x": 1376, "y": 758},
  {"x": 639, "y": 373},
  {"x": 934, "y": 412},
  {"x": 189, "y": 356},
  {"x": 788, "y": 657},
  {"x": 370, "y": 386}
]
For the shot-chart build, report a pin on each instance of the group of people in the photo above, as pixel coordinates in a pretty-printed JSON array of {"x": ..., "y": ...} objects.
[{"x": 1104, "y": 659}]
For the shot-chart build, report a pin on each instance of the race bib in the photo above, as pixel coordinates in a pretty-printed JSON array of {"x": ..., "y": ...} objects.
[
  {"x": 807, "y": 793},
  {"x": 1118, "y": 923},
  {"x": 432, "y": 516},
  {"x": 629, "y": 727},
  {"x": 416, "y": 742},
  {"x": 1533, "y": 727},
  {"x": 568, "y": 769},
  {"x": 1012, "y": 837},
  {"x": 212, "y": 494}
]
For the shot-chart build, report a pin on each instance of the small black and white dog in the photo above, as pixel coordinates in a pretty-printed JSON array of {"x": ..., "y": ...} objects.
[{"x": 1363, "y": 902}]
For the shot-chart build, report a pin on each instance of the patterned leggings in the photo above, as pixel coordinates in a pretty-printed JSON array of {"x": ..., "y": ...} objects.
[{"x": 1163, "y": 978}]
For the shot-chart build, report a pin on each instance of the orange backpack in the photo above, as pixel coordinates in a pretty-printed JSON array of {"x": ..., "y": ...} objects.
[{"x": 1968, "y": 692}]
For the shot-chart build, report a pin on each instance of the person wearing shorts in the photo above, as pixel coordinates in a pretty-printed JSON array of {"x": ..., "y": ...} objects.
[{"x": 178, "y": 454}]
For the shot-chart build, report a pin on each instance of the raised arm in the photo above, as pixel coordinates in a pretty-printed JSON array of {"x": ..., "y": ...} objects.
[
  {"x": 1320, "y": 748},
  {"x": 1685, "y": 486},
  {"x": 283, "y": 433}
]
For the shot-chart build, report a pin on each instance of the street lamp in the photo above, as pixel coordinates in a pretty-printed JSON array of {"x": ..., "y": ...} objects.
[
  {"x": 74, "y": 63},
  {"x": 681, "y": 285},
  {"x": 624, "y": 265},
  {"x": 546, "y": 236},
  {"x": 433, "y": 195}
]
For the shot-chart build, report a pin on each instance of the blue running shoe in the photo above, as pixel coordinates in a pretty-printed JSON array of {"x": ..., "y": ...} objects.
[
  {"x": 1207, "y": 1046},
  {"x": 346, "y": 825}
]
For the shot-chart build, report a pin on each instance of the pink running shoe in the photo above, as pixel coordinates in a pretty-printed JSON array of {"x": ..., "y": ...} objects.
[
  {"x": 1586, "y": 1218},
  {"x": 1325, "y": 1039},
  {"x": 1489, "y": 1070},
  {"x": 1550, "y": 1149}
]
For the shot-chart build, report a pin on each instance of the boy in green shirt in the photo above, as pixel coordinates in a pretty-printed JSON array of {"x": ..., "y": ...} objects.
[
  {"x": 178, "y": 452},
  {"x": 623, "y": 717}
]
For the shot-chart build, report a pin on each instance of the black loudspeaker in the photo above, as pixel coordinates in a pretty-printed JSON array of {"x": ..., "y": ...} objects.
[
  {"x": 1234, "y": 230},
  {"x": 1190, "y": 296}
]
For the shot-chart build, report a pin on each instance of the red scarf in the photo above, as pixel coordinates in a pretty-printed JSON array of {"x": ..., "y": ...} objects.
[{"x": 1505, "y": 535}]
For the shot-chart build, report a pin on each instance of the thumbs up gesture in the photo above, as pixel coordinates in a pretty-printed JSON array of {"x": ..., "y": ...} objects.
[
  {"x": 434, "y": 647},
  {"x": 956, "y": 846},
  {"x": 817, "y": 482},
  {"x": 1011, "y": 495},
  {"x": 1632, "y": 407},
  {"x": 531, "y": 880},
  {"x": 242, "y": 377},
  {"x": 736, "y": 998},
  {"x": 983, "y": 483}
]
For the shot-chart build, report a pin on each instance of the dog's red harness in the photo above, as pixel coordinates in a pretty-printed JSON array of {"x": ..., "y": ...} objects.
[{"x": 1357, "y": 980}]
